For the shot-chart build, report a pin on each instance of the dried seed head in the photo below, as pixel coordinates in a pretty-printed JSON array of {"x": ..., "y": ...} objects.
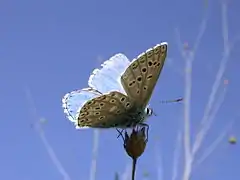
[{"x": 135, "y": 143}]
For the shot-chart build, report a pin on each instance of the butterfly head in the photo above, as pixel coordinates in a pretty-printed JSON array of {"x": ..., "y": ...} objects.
[{"x": 149, "y": 112}]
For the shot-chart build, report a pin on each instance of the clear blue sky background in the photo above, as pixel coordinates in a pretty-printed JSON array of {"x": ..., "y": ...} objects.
[{"x": 51, "y": 48}]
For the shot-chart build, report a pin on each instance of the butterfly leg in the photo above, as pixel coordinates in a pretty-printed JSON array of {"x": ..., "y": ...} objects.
[
  {"x": 120, "y": 133},
  {"x": 147, "y": 127},
  {"x": 125, "y": 137}
]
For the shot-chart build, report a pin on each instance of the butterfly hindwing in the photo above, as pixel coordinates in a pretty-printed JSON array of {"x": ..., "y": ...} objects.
[
  {"x": 107, "y": 78},
  {"x": 74, "y": 100},
  {"x": 141, "y": 76},
  {"x": 109, "y": 110}
]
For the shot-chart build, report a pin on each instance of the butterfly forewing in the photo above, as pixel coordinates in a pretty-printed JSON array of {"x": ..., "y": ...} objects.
[
  {"x": 109, "y": 110},
  {"x": 140, "y": 78}
]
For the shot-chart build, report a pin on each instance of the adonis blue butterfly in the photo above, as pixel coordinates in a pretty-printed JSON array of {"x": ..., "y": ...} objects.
[{"x": 118, "y": 93}]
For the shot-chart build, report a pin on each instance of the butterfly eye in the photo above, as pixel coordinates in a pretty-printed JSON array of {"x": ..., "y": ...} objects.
[
  {"x": 97, "y": 113},
  {"x": 101, "y": 104},
  {"x": 148, "y": 110}
]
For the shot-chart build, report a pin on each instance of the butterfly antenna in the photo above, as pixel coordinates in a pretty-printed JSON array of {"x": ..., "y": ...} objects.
[
  {"x": 154, "y": 113},
  {"x": 172, "y": 101}
]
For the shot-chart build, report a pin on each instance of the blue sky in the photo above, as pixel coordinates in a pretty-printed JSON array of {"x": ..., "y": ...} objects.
[{"x": 49, "y": 48}]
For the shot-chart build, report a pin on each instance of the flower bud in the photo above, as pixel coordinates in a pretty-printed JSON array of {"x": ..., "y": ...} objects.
[{"x": 135, "y": 143}]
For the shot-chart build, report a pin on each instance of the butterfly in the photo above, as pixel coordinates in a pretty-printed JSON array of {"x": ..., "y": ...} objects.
[{"x": 118, "y": 93}]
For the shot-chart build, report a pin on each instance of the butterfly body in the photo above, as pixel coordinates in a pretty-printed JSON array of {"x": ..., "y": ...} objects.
[{"x": 119, "y": 92}]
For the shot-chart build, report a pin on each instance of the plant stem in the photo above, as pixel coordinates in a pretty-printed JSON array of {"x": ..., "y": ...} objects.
[{"x": 134, "y": 168}]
